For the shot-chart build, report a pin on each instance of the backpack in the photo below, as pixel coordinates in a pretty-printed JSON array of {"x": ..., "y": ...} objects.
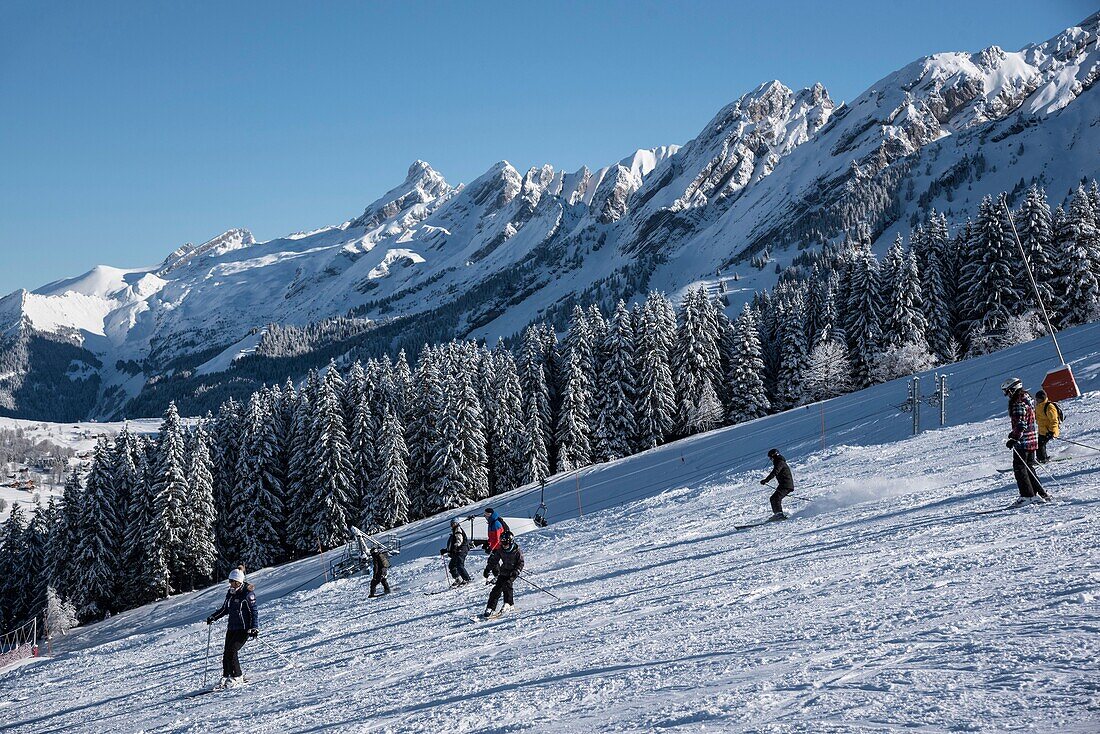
[{"x": 1057, "y": 407}]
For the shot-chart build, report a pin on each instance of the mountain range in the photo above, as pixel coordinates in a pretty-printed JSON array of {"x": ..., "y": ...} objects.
[{"x": 774, "y": 172}]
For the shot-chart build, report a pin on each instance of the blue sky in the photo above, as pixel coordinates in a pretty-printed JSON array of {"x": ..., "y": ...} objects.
[{"x": 127, "y": 129}]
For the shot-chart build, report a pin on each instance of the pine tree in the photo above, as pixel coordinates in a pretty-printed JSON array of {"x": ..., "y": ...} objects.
[
  {"x": 904, "y": 318},
  {"x": 298, "y": 494},
  {"x": 391, "y": 491},
  {"x": 65, "y": 538},
  {"x": 828, "y": 372},
  {"x": 991, "y": 275},
  {"x": 225, "y": 451},
  {"x": 931, "y": 254},
  {"x": 451, "y": 487},
  {"x": 862, "y": 311},
  {"x": 12, "y": 601},
  {"x": 329, "y": 476},
  {"x": 361, "y": 441},
  {"x": 1035, "y": 227},
  {"x": 656, "y": 398},
  {"x": 508, "y": 455},
  {"x": 536, "y": 408},
  {"x": 259, "y": 493},
  {"x": 100, "y": 553},
  {"x": 746, "y": 386},
  {"x": 616, "y": 424},
  {"x": 574, "y": 447},
  {"x": 198, "y": 553},
  {"x": 169, "y": 496},
  {"x": 422, "y": 433},
  {"x": 695, "y": 360},
  {"x": 793, "y": 348},
  {"x": 1079, "y": 242}
]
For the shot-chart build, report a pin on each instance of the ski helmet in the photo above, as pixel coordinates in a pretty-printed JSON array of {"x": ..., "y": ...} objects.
[
  {"x": 454, "y": 522},
  {"x": 237, "y": 575},
  {"x": 506, "y": 537},
  {"x": 1011, "y": 385},
  {"x": 488, "y": 510},
  {"x": 773, "y": 453}
]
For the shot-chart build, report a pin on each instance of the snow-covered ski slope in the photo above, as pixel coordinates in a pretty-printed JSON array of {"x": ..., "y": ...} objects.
[{"x": 888, "y": 604}]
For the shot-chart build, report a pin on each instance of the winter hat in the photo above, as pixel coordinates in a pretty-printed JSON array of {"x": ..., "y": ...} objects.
[
  {"x": 1040, "y": 395},
  {"x": 488, "y": 510},
  {"x": 773, "y": 453},
  {"x": 454, "y": 523},
  {"x": 236, "y": 575}
]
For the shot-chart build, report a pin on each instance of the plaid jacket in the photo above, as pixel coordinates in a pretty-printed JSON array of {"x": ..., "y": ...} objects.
[{"x": 1024, "y": 428}]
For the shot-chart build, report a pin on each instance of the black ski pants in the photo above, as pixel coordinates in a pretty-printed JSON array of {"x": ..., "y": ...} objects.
[
  {"x": 502, "y": 586},
  {"x": 234, "y": 641},
  {"x": 1041, "y": 454},
  {"x": 1023, "y": 468},
  {"x": 777, "y": 499},
  {"x": 457, "y": 567},
  {"x": 379, "y": 579}
]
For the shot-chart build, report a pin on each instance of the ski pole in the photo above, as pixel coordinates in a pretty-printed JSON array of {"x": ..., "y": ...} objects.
[
  {"x": 206, "y": 662},
  {"x": 1077, "y": 443},
  {"x": 1030, "y": 470},
  {"x": 798, "y": 497},
  {"x": 544, "y": 591},
  {"x": 446, "y": 573},
  {"x": 272, "y": 648}
]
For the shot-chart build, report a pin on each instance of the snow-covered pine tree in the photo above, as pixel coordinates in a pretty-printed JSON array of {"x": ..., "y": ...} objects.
[
  {"x": 794, "y": 350},
  {"x": 258, "y": 501},
  {"x": 65, "y": 538},
  {"x": 904, "y": 317},
  {"x": 403, "y": 386},
  {"x": 298, "y": 490},
  {"x": 450, "y": 487},
  {"x": 60, "y": 614},
  {"x": 1079, "y": 242},
  {"x": 471, "y": 422},
  {"x": 198, "y": 544},
  {"x": 509, "y": 432},
  {"x": 861, "y": 314},
  {"x": 391, "y": 492},
  {"x": 1035, "y": 227},
  {"x": 422, "y": 433},
  {"x": 748, "y": 399},
  {"x": 930, "y": 249},
  {"x": 616, "y": 423},
  {"x": 224, "y": 452},
  {"x": 578, "y": 343},
  {"x": 828, "y": 372},
  {"x": 574, "y": 446},
  {"x": 536, "y": 408},
  {"x": 169, "y": 496},
  {"x": 100, "y": 551},
  {"x": 33, "y": 560},
  {"x": 656, "y": 398},
  {"x": 13, "y": 607},
  {"x": 695, "y": 358},
  {"x": 360, "y": 440},
  {"x": 993, "y": 270},
  {"x": 329, "y": 485}
]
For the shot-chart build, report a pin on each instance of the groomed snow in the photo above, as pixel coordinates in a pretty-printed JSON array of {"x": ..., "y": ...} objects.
[{"x": 888, "y": 604}]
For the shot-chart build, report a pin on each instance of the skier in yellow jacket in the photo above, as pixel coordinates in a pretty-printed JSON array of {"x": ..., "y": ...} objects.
[{"x": 1046, "y": 415}]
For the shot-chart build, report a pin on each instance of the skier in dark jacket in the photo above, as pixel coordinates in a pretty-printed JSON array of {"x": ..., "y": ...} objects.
[
  {"x": 1023, "y": 440},
  {"x": 380, "y": 561},
  {"x": 458, "y": 545},
  {"x": 506, "y": 563},
  {"x": 244, "y": 625},
  {"x": 782, "y": 473}
]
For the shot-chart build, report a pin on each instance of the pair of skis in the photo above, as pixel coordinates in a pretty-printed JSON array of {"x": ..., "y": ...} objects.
[{"x": 758, "y": 523}]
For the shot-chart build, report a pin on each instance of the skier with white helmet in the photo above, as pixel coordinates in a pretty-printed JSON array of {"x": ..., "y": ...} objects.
[
  {"x": 1023, "y": 440},
  {"x": 244, "y": 625}
]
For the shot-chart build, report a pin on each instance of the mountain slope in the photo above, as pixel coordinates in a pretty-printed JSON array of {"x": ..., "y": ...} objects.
[
  {"x": 773, "y": 170},
  {"x": 887, "y": 603}
]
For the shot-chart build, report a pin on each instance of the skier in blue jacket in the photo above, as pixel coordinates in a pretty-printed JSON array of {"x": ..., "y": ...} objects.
[{"x": 244, "y": 625}]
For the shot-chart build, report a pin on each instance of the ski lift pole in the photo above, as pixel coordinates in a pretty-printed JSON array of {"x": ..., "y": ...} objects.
[
  {"x": 1031, "y": 277},
  {"x": 544, "y": 591}
]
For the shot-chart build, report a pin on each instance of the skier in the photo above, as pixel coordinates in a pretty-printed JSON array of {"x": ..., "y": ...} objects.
[
  {"x": 380, "y": 562},
  {"x": 1023, "y": 440},
  {"x": 1046, "y": 415},
  {"x": 506, "y": 564},
  {"x": 240, "y": 606},
  {"x": 458, "y": 545},
  {"x": 495, "y": 525},
  {"x": 782, "y": 473}
]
